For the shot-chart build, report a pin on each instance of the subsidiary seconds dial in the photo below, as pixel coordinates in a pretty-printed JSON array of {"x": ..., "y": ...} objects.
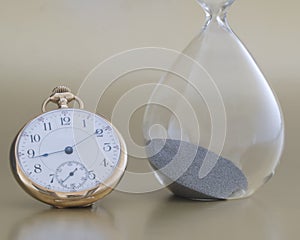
[
  {"x": 68, "y": 150},
  {"x": 71, "y": 175}
]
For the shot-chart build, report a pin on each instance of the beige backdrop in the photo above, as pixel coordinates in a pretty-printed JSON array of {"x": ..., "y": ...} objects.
[{"x": 44, "y": 43}]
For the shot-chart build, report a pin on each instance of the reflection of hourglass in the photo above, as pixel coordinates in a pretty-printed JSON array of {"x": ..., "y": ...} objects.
[
  {"x": 219, "y": 133},
  {"x": 226, "y": 220}
]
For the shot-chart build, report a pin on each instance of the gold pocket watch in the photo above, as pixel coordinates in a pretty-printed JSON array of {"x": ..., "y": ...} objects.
[{"x": 68, "y": 157}]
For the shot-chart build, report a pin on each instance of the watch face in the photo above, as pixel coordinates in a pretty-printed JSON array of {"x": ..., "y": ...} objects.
[{"x": 68, "y": 150}]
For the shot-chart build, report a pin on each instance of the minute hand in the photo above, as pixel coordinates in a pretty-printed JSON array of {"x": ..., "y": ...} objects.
[{"x": 83, "y": 140}]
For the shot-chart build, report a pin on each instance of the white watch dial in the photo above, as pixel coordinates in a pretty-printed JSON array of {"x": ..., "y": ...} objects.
[{"x": 68, "y": 150}]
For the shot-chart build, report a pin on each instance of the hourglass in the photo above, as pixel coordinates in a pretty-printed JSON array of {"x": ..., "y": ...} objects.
[{"x": 217, "y": 133}]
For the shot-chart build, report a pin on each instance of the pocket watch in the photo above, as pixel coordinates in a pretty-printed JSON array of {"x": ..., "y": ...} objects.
[{"x": 68, "y": 157}]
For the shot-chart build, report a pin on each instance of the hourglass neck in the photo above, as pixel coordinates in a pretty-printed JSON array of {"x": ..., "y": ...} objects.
[
  {"x": 218, "y": 16},
  {"x": 216, "y": 11}
]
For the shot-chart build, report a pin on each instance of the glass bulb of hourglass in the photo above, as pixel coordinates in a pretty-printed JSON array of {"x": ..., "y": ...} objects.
[{"x": 221, "y": 132}]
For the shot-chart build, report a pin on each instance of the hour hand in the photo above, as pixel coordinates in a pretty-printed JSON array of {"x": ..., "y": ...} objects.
[
  {"x": 67, "y": 150},
  {"x": 43, "y": 155}
]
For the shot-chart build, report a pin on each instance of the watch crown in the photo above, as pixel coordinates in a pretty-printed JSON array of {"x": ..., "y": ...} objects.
[
  {"x": 62, "y": 96},
  {"x": 61, "y": 89}
]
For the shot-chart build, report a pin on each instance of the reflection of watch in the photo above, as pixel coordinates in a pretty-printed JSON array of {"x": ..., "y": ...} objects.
[{"x": 68, "y": 157}]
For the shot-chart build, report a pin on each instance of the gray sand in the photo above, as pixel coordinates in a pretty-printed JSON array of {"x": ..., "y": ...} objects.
[{"x": 222, "y": 182}]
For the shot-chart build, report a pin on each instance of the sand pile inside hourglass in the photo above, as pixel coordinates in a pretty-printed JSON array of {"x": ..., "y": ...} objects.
[{"x": 170, "y": 158}]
